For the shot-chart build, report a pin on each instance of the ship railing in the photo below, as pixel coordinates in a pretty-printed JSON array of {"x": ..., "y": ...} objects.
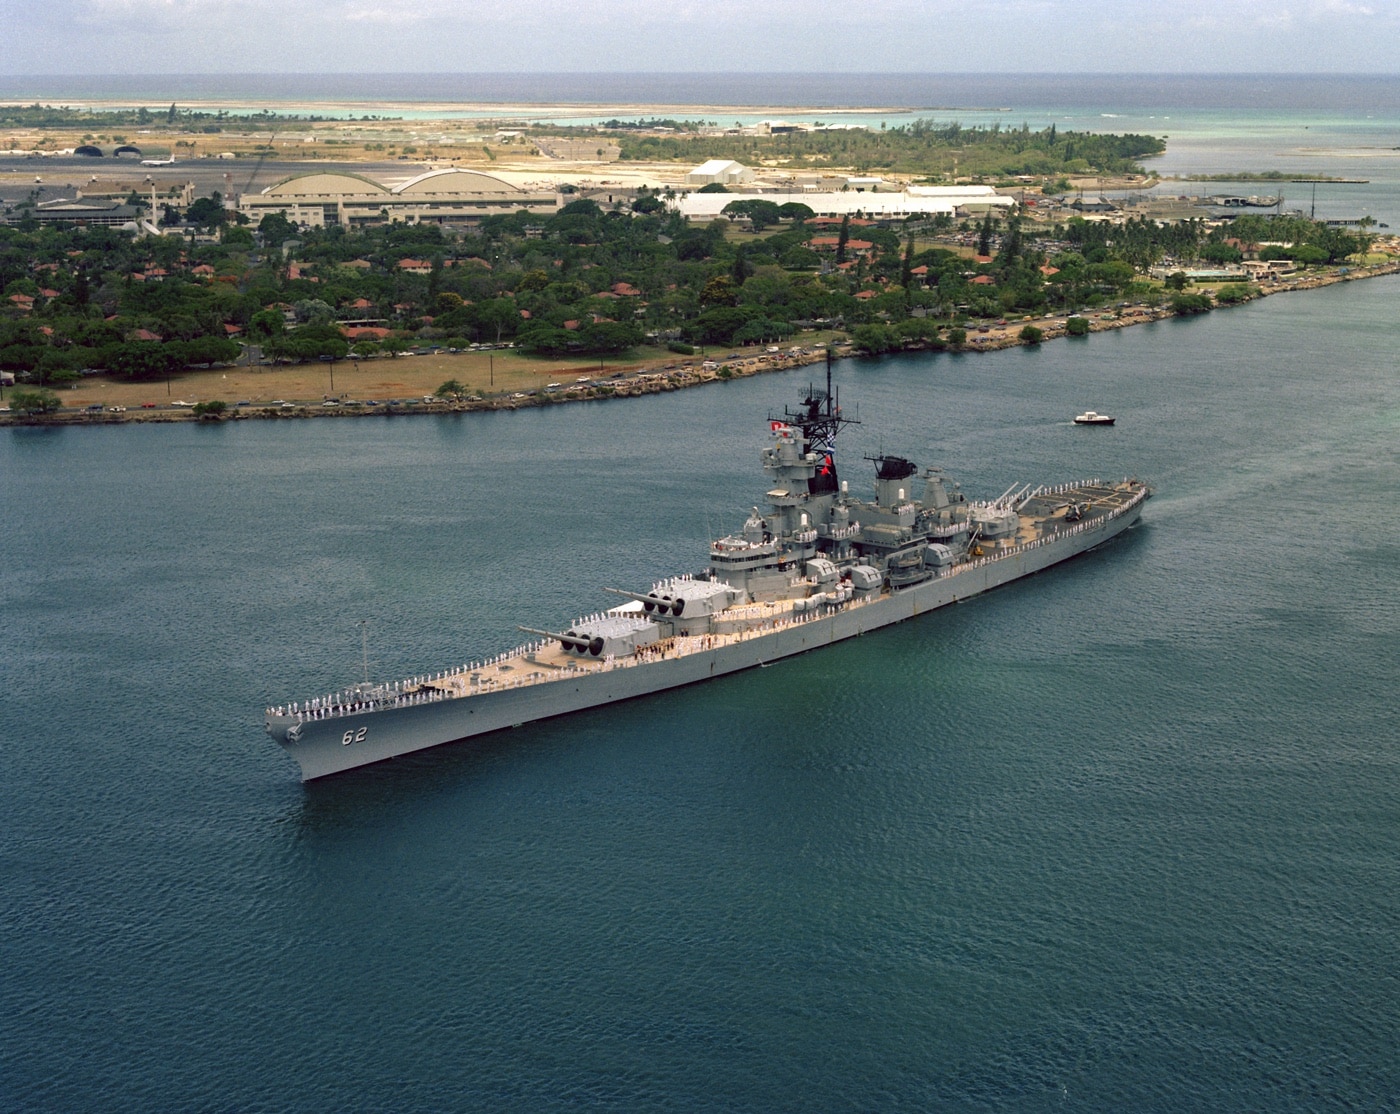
[
  {"x": 1094, "y": 524},
  {"x": 469, "y": 681}
]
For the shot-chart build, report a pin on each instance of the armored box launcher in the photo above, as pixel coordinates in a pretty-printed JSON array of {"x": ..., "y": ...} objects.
[{"x": 816, "y": 565}]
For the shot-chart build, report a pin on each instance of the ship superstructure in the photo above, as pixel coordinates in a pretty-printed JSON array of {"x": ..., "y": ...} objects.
[{"x": 815, "y": 565}]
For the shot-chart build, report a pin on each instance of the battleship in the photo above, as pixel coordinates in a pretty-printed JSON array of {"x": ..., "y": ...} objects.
[{"x": 815, "y": 566}]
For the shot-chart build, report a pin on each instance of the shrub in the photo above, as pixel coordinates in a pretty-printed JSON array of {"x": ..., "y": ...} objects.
[
  {"x": 1186, "y": 304},
  {"x": 34, "y": 402},
  {"x": 1031, "y": 335},
  {"x": 1077, "y": 326},
  {"x": 1233, "y": 292},
  {"x": 875, "y": 339},
  {"x": 680, "y": 349},
  {"x": 210, "y": 411}
]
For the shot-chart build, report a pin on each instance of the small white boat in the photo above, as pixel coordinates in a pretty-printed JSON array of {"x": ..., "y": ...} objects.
[{"x": 1091, "y": 417}]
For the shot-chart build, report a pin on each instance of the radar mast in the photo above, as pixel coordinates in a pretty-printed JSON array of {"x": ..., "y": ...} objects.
[{"x": 820, "y": 420}]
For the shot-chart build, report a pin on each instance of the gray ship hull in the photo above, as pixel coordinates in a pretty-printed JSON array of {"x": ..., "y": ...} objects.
[{"x": 328, "y": 746}]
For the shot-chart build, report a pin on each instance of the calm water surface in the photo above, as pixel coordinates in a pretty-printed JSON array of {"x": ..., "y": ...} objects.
[{"x": 1122, "y": 836}]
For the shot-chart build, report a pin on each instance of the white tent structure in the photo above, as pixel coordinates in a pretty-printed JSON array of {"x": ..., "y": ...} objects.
[{"x": 726, "y": 172}]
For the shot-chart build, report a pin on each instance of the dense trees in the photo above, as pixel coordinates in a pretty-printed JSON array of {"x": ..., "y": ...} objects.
[
  {"x": 31, "y": 402},
  {"x": 580, "y": 281},
  {"x": 760, "y": 214},
  {"x": 207, "y": 211},
  {"x": 922, "y": 147}
]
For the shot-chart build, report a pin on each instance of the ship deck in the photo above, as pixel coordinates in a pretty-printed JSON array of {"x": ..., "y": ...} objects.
[{"x": 1042, "y": 522}]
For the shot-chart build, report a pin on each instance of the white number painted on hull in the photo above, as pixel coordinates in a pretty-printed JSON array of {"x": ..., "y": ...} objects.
[{"x": 354, "y": 736}]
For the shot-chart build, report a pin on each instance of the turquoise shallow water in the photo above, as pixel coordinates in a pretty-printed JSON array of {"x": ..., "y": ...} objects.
[
  {"x": 1339, "y": 125},
  {"x": 1122, "y": 836}
]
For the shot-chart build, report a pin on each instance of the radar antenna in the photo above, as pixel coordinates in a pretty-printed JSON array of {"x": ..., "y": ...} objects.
[{"x": 820, "y": 419}]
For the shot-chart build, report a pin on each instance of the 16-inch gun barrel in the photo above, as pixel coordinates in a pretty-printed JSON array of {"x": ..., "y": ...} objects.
[{"x": 651, "y": 601}]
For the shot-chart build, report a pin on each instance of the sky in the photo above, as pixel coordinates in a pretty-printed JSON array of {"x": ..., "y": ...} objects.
[{"x": 914, "y": 36}]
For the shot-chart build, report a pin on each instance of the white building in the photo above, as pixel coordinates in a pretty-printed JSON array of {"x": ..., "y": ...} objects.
[
  {"x": 879, "y": 205},
  {"x": 726, "y": 172}
]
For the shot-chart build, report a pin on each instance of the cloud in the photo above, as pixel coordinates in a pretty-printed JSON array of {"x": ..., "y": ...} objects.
[
  {"x": 1322, "y": 8},
  {"x": 384, "y": 15},
  {"x": 1040, "y": 36}
]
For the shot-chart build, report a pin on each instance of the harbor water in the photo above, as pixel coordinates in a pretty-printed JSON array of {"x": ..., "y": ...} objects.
[{"x": 1119, "y": 836}]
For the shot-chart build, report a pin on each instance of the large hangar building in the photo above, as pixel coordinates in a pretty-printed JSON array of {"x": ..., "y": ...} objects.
[{"x": 438, "y": 197}]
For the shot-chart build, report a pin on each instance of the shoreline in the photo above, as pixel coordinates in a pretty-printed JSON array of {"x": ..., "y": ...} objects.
[
  {"x": 454, "y": 110},
  {"x": 655, "y": 378}
]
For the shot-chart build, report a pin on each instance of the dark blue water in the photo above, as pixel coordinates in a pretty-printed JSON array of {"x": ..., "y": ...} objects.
[{"x": 1119, "y": 837}]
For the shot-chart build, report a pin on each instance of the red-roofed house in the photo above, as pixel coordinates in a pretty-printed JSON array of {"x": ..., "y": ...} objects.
[
  {"x": 625, "y": 290},
  {"x": 145, "y": 334},
  {"x": 365, "y": 332},
  {"x": 831, "y": 243},
  {"x": 414, "y": 266},
  {"x": 984, "y": 280}
]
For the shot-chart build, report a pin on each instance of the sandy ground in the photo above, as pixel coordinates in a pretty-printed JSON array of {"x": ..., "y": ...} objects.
[{"x": 380, "y": 378}]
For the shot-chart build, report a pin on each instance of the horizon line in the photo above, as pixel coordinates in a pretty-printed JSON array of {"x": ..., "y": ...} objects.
[{"x": 672, "y": 72}]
